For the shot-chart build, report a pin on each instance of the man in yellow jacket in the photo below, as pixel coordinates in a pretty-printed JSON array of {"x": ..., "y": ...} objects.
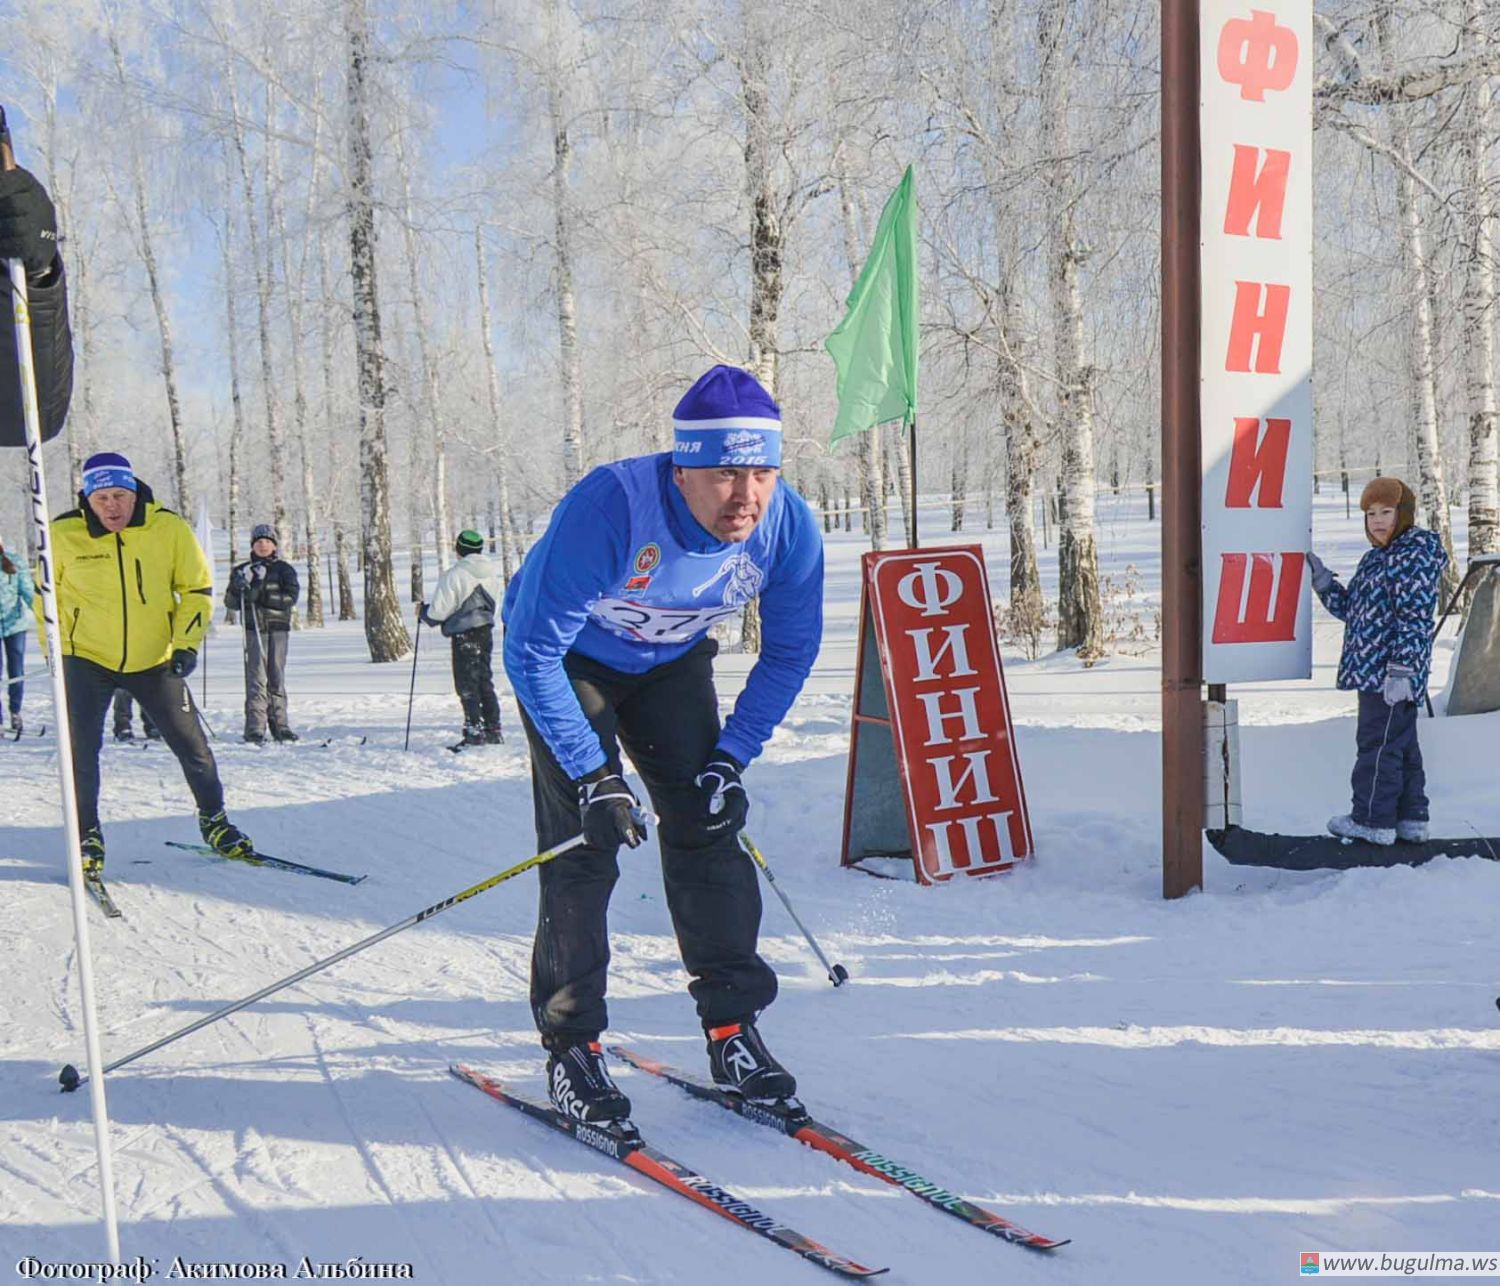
[{"x": 133, "y": 603}]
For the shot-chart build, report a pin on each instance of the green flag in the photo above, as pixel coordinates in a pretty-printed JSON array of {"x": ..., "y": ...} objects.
[{"x": 875, "y": 346}]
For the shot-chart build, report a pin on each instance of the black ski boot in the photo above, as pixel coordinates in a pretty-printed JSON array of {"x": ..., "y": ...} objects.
[
  {"x": 91, "y": 849},
  {"x": 473, "y": 735},
  {"x": 494, "y": 737},
  {"x": 285, "y": 734},
  {"x": 223, "y": 836},
  {"x": 579, "y": 1086},
  {"x": 742, "y": 1064}
]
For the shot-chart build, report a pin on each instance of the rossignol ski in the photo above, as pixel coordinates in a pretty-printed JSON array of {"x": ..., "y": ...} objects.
[
  {"x": 622, "y": 1142},
  {"x": 94, "y": 887},
  {"x": 792, "y": 1119},
  {"x": 265, "y": 859}
]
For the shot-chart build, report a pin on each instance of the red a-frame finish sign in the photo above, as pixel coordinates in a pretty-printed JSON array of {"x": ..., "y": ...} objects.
[{"x": 933, "y": 770}]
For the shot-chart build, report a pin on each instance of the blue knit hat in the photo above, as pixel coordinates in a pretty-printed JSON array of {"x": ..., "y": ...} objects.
[
  {"x": 107, "y": 469},
  {"x": 727, "y": 418}
]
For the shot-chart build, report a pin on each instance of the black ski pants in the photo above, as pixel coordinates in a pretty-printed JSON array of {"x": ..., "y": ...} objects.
[
  {"x": 165, "y": 699},
  {"x": 122, "y": 717},
  {"x": 474, "y": 677},
  {"x": 667, "y": 721}
]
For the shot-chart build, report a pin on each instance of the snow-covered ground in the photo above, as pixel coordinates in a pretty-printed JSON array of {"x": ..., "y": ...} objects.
[{"x": 1192, "y": 1091}]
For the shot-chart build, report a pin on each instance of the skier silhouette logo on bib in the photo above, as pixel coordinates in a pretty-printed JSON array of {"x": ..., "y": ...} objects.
[{"x": 663, "y": 612}]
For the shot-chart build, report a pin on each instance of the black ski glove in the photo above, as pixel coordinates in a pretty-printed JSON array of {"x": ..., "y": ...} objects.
[
  {"x": 724, "y": 798},
  {"x": 610, "y": 811},
  {"x": 28, "y": 223},
  {"x": 184, "y": 662}
]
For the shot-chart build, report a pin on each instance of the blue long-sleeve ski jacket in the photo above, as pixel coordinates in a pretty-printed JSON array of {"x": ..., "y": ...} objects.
[
  {"x": 1387, "y": 610},
  {"x": 626, "y": 576}
]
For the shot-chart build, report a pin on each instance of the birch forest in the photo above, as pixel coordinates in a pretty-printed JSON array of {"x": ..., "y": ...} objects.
[{"x": 376, "y": 271}]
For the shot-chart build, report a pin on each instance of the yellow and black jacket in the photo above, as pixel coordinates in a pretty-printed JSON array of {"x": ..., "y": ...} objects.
[{"x": 127, "y": 600}]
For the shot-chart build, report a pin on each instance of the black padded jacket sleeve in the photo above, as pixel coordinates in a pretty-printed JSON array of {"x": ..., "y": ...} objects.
[{"x": 52, "y": 355}]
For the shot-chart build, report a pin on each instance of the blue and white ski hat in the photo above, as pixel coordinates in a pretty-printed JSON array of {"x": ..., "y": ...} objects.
[
  {"x": 726, "y": 418},
  {"x": 107, "y": 469}
]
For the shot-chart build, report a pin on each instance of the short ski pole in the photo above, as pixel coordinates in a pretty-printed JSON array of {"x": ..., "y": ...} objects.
[
  {"x": 70, "y": 1078},
  {"x": 412, "y": 695},
  {"x": 837, "y": 974}
]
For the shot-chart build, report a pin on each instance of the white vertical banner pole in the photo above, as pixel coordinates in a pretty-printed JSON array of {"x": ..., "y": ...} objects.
[
  {"x": 1256, "y": 340},
  {"x": 45, "y": 583}
]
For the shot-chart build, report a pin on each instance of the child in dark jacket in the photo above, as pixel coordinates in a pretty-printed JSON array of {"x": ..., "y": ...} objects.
[{"x": 1387, "y": 610}]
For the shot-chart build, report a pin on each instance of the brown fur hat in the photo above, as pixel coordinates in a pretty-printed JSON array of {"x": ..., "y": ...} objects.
[{"x": 1393, "y": 492}]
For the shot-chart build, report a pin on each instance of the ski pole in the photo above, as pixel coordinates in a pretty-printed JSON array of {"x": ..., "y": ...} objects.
[
  {"x": 70, "y": 1078},
  {"x": 837, "y": 974},
  {"x": 197, "y": 710},
  {"x": 412, "y": 695},
  {"x": 46, "y": 587}
]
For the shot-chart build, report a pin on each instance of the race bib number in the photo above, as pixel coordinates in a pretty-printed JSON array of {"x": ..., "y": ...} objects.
[{"x": 657, "y": 624}]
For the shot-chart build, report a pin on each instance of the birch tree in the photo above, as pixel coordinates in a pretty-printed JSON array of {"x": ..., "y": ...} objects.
[
  {"x": 1080, "y": 614},
  {"x": 384, "y": 631},
  {"x": 232, "y": 349},
  {"x": 556, "y": 76},
  {"x": 1421, "y": 287},
  {"x": 498, "y": 428},
  {"x": 275, "y": 446},
  {"x": 869, "y": 457},
  {"x": 431, "y": 404},
  {"x": 1481, "y": 320},
  {"x": 345, "y": 590},
  {"x": 313, "y": 602},
  {"x": 146, "y": 246}
]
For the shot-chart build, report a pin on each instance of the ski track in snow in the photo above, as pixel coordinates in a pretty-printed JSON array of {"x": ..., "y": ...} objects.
[{"x": 1192, "y": 1091}]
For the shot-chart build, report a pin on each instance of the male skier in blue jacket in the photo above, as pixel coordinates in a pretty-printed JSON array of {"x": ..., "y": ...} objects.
[{"x": 606, "y": 645}]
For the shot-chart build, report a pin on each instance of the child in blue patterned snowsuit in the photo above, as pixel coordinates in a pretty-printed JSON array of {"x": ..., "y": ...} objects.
[{"x": 1387, "y": 610}]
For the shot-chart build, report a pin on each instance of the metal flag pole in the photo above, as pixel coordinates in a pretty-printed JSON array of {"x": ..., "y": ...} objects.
[
  {"x": 912, "y": 447},
  {"x": 73, "y": 858}
]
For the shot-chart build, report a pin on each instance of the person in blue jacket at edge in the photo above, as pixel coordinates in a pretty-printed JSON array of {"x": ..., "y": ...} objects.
[
  {"x": 1387, "y": 610},
  {"x": 607, "y": 645}
]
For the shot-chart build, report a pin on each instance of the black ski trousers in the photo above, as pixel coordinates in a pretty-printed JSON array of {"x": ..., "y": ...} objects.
[
  {"x": 667, "y": 721},
  {"x": 165, "y": 699},
  {"x": 474, "y": 677},
  {"x": 123, "y": 710}
]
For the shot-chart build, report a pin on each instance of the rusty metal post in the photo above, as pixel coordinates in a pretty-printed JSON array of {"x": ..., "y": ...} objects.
[{"x": 1181, "y": 561}]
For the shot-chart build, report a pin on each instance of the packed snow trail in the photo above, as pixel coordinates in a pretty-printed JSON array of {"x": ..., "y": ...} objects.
[{"x": 1190, "y": 1091}]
